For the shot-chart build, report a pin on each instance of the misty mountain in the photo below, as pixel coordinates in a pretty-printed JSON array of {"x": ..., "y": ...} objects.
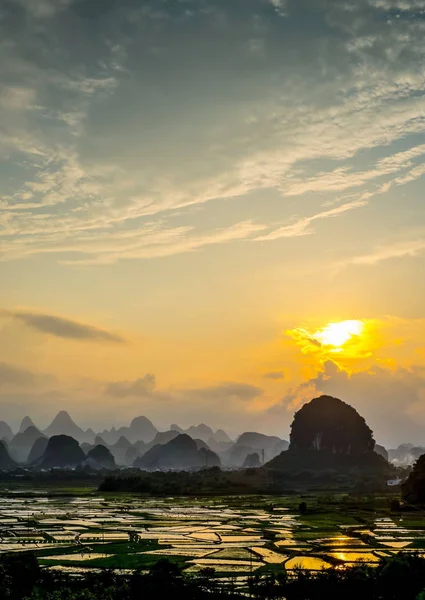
[
  {"x": 271, "y": 445},
  {"x": 25, "y": 424},
  {"x": 62, "y": 451},
  {"x": 100, "y": 458},
  {"x": 5, "y": 431},
  {"x": 252, "y": 443},
  {"x": 119, "y": 450},
  {"x": 161, "y": 438},
  {"x": 22, "y": 443},
  {"x": 221, "y": 436},
  {"x": 252, "y": 461},
  {"x": 201, "y": 444},
  {"x": 203, "y": 432},
  {"x": 180, "y": 453},
  {"x": 381, "y": 451},
  {"x": 62, "y": 424},
  {"x": 235, "y": 457},
  {"x": 90, "y": 434},
  {"x": 6, "y": 462},
  {"x": 174, "y": 427},
  {"x": 131, "y": 454},
  {"x": 37, "y": 450},
  {"x": 141, "y": 428},
  {"x": 219, "y": 448},
  {"x": 405, "y": 455}
]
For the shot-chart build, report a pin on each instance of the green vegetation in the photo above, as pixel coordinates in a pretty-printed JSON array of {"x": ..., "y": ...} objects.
[{"x": 414, "y": 487}]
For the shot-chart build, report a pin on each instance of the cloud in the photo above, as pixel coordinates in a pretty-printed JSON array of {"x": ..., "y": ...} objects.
[
  {"x": 82, "y": 175},
  {"x": 61, "y": 327},
  {"x": 396, "y": 249},
  {"x": 344, "y": 178},
  {"x": 305, "y": 339},
  {"x": 277, "y": 375},
  {"x": 15, "y": 376},
  {"x": 232, "y": 391},
  {"x": 140, "y": 387},
  {"x": 302, "y": 226},
  {"x": 392, "y": 401},
  {"x": 146, "y": 386},
  {"x": 42, "y": 9},
  {"x": 166, "y": 242}
]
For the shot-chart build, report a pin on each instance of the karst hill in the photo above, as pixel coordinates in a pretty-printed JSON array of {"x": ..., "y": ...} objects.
[{"x": 328, "y": 434}]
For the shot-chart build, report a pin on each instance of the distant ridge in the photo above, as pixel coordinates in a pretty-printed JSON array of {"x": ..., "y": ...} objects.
[
  {"x": 26, "y": 422},
  {"x": 6, "y": 462},
  {"x": 62, "y": 424},
  {"x": 132, "y": 442},
  {"x": 22, "y": 443},
  {"x": 180, "y": 453},
  {"x": 5, "y": 431}
]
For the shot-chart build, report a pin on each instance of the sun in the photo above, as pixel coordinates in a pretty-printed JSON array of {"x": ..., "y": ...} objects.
[{"x": 339, "y": 334}]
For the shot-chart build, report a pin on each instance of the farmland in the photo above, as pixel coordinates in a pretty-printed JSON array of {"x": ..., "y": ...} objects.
[{"x": 235, "y": 536}]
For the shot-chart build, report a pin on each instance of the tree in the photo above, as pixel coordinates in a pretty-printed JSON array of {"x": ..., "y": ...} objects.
[
  {"x": 302, "y": 508},
  {"x": 414, "y": 488}
]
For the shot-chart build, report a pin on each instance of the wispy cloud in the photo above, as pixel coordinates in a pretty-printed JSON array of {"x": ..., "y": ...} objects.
[
  {"x": 62, "y": 327},
  {"x": 397, "y": 249},
  {"x": 143, "y": 386},
  {"x": 43, "y": 9},
  {"x": 303, "y": 226},
  {"x": 104, "y": 144},
  {"x": 15, "y": 376},
  {"x": 146, "y": 387},
  {"x": 274, "y": 375}
]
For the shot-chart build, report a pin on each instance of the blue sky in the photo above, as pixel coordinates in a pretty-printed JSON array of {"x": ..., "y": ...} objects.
[{"x": 200, "y": 177}]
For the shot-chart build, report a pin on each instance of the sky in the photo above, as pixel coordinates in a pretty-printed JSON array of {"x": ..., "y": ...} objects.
[{"x": 194, "y": 192}]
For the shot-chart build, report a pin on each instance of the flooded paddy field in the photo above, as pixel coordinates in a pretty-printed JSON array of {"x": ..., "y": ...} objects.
[{"x": 233, "y": 536}]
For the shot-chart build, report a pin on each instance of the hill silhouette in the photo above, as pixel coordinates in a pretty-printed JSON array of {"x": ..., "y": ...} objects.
[
  {"x": 62, "y": 424},
  {"x": 179, "y": 453},
  {"x": 6, "y": 462},
  {"x": 119, "y": 450},
  {"x": 37, "y": 450},
  {"x": 252, "y": 442},
  {"x": 413, "y": 489},
  {"x": 252, "y": 461},
  {"x": 5, "y": 431},
  {"x": 327, "y": 433},
  {"x": 328, "y": 424},
  {"x": 25, "y": 423},
  {"x": 62, "y": 451},
  {"x": 381, "y": 451},
  {"x": 100, "y": 458},
  {"x": 22, "y": 443},
  {"x": 206, "y": 434}
]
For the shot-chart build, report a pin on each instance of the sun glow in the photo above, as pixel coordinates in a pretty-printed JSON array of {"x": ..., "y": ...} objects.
[
  {"x": 338, "y": 334},
  {"x": 347, "y": 340}
]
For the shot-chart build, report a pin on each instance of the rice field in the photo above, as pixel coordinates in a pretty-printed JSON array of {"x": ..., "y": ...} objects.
[{"x": 232, "y": 536}]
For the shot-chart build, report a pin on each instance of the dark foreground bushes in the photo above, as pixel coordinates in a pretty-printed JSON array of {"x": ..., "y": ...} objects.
[{"x": 398, "y": 578}]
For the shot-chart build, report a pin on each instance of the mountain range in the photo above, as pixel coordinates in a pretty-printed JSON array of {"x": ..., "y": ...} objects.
[
  {"x": 139, "y": 444},
  {"x": 326, "y": 433}
]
